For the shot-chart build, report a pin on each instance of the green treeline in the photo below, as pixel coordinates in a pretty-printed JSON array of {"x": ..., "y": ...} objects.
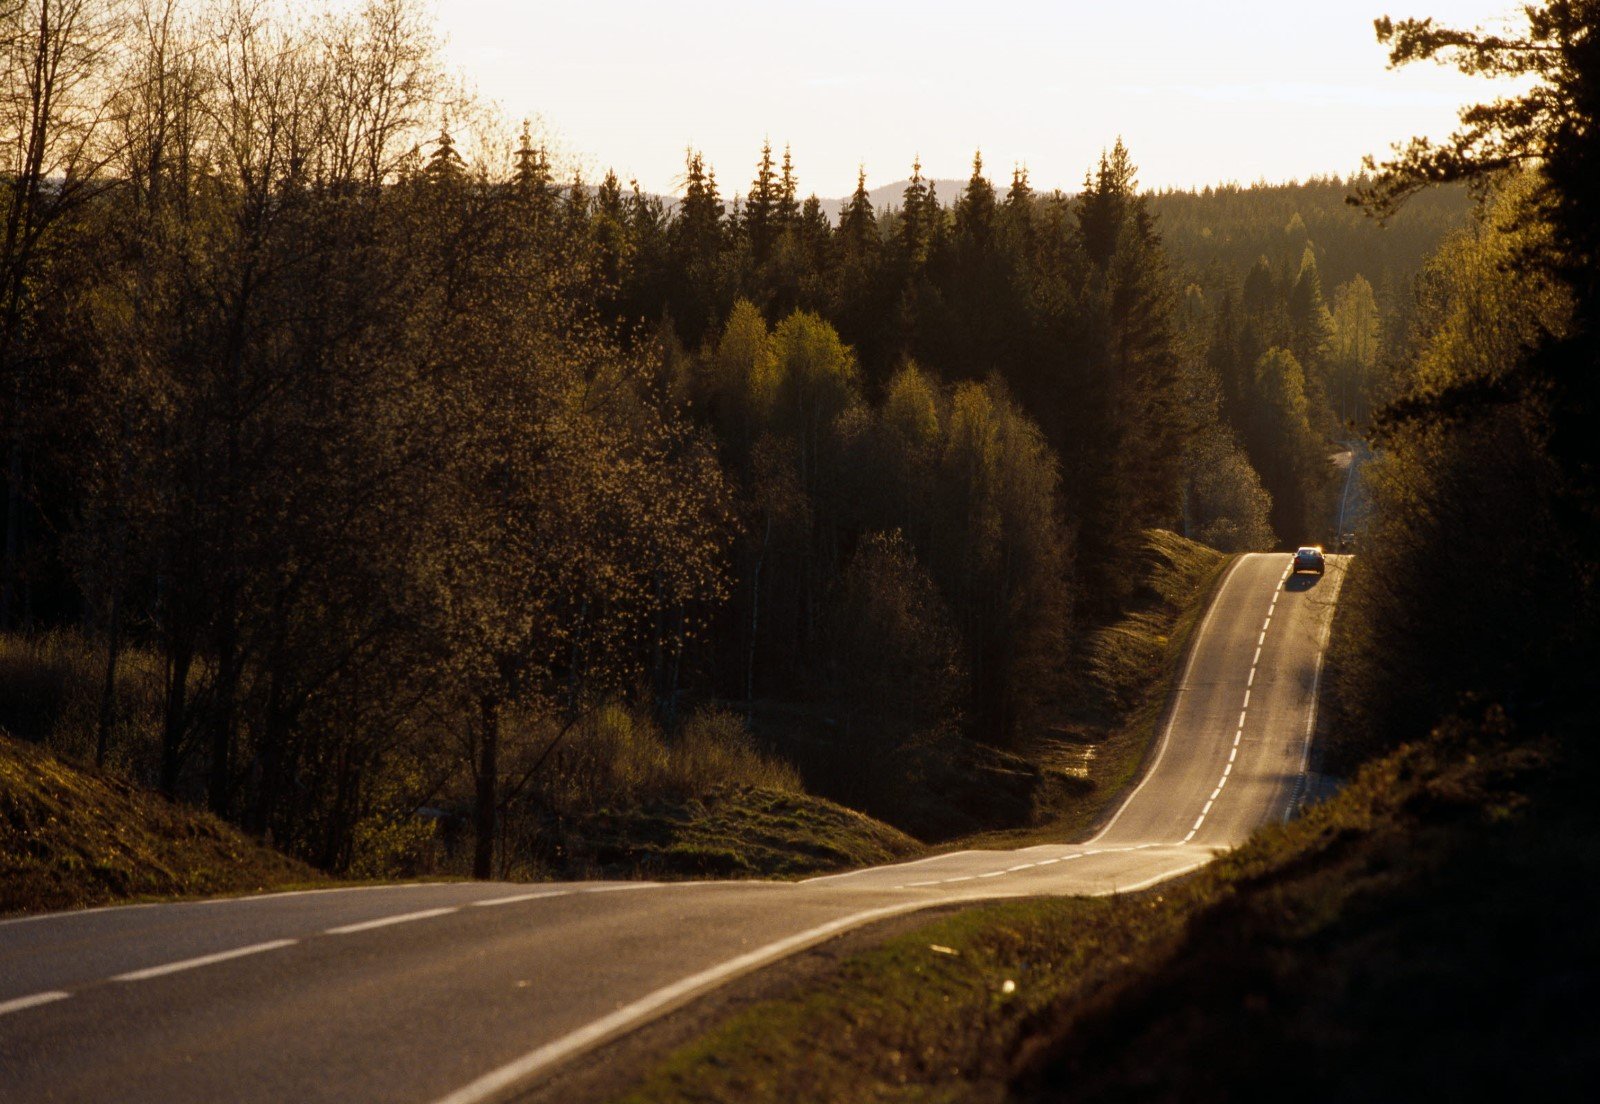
[
  {"x": 1476, "y": 598},
  {"x": 400, "y": 474}
]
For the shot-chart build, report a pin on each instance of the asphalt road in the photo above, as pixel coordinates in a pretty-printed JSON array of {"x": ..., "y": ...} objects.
[{"x": 459, "y": 992}]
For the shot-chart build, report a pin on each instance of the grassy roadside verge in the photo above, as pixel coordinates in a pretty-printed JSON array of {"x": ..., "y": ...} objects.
[
  {"x": 1351, "y": 952},
  {"x": 1107, "y": 724},
  {"x": 73, "y": 837}
]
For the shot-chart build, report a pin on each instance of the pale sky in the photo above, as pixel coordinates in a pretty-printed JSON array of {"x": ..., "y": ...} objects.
[{"x": 1202, "y": 91}]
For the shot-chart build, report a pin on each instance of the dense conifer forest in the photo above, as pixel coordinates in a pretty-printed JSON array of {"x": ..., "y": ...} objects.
[{"x": 363, "y": 468}]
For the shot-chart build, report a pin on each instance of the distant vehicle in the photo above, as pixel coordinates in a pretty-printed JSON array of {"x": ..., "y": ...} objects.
[{"x": 1308, "y": 558}]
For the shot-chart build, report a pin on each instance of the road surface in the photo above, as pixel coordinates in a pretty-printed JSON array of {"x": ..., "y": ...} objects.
[{"x": 457, "y": 993}]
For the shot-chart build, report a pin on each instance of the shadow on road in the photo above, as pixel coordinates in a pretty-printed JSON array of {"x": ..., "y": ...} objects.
[{"x": 1301, "y": 583}]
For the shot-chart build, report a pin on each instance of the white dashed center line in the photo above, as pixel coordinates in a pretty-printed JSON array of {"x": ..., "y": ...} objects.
[
  {"x": 385, "y": 921},
  {"x": 1250, "y": 682},
  {"x": 203, "y": 960},
  {"x": 17, "y": 1004},
  {"x": 516, "y": 897}
]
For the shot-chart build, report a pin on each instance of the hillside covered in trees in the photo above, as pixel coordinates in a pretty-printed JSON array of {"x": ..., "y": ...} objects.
[{"x": 405, "y": 473}]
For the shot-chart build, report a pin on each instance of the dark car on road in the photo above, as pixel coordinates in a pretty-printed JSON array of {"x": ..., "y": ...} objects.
[{"x": 1308, "y": 558}]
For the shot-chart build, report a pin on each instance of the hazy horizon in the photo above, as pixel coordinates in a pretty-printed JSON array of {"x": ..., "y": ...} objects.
[{"x": 1235, "y": 93}]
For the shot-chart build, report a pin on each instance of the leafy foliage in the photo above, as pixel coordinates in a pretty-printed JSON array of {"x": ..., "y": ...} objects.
[{"x": 401, "y": 463}]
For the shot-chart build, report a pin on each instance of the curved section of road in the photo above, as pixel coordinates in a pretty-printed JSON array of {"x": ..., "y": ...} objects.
[{"x": 459, "y": 993}]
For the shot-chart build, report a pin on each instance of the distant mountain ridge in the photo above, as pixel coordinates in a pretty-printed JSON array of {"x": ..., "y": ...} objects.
[{"x": 893, "y": 195}]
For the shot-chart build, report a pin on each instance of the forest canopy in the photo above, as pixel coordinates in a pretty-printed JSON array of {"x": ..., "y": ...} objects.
[{"x": 399, "y": 463}]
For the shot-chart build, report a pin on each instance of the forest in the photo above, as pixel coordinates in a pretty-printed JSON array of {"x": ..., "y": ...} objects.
[{"x": 354, "y": 467}]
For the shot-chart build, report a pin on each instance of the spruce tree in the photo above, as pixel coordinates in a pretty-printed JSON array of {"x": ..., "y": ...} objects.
[
  {"x": 1016, "y": 217},
  {"x": 533, "y": 163},
  {"x": 532, "y": 179},
  {"x": 814, "y": 233},
  {"x": 699, "y": 229},
  {"x": 858, "y": 224},
  {"x": 761, "y": 209},
  {"x": 1021, "y": 192},
  {"x": 575, "y": 209},
  {"x": 916, "y": 218},
  {"x": 788, "y": 191},
  {"x": 444, "y": 163},
  {"x": 1103, "y": 206},
  {"x": 974, "y": 213},
  {"x": 698, "y": 237},
  {"x": 1310, "y": 322}
]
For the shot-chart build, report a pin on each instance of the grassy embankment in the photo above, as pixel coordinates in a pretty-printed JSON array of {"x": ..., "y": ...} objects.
[
  {"x": 1108, "y": 714},
  {"x": 1094, "y": 738},
  {"x": 1398, "y": 942},
  {"x": 72, "y": 837}
]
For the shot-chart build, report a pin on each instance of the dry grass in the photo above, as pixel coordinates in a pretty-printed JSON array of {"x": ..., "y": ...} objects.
[
  {"x": 731, "y": 832},
  {"x": 51, "y": 694},
  {"x": 1363, "y": 951},
  {"x": 618, "y": 755},
  {"x": 622, "y": 798},
  {"x": 72, "y": 836}
]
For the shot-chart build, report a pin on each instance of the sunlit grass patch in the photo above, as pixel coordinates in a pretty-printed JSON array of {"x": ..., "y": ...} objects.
[
  {"x": 71, "y": 837},
  {"x": 733, "y": 831}
]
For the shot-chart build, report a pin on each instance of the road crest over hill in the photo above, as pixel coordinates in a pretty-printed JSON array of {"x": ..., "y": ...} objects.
[{"x": 459, "y": 992}]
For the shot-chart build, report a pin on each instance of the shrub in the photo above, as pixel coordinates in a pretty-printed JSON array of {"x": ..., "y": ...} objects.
[{"x": 715, "y": 749}]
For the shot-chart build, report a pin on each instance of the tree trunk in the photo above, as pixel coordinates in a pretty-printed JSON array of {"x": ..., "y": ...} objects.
[
  {"x": 108, "y": 689},
  {"x": 10, "y": 571},
  {"x": 176, "y": 720},
  {"x": 274, "y": 737},
  {"x": 484, "y": 814},
  {"x": 219, "y": 793},
  {"x": 755, "y": 619}
]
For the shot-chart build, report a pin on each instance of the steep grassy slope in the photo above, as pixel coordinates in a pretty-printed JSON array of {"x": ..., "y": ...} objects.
[
  {"x": 72, "y": 837},
  {"x": 1092, "y": 739},
  {"x": 1424, "y": 935},
  {"x": 1429, "y": 936}
]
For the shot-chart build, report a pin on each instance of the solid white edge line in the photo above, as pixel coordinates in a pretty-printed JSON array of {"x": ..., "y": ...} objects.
[
  {"x": 1166, "y": 732},
  {"x": 498, "y": 1080},
  {"x": 34, "y": 1000},
  {"x": 202, "y": 960},
  {"x": 36, "y": 917},
  {"x": 509, "y": 1074},
  {"x": 385, "y": 921}
]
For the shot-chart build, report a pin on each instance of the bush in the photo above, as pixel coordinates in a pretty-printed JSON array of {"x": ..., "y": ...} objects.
[
  {"x": 618, "y": 755},
  {"x": 715, "y": 749}
]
